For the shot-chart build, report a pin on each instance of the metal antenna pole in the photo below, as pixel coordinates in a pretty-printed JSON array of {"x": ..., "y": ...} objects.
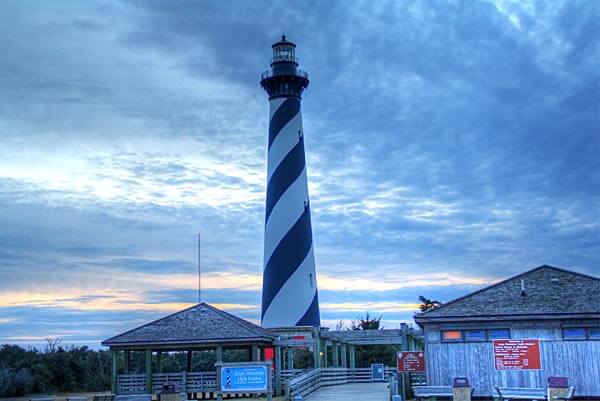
[{"x": 199, "y": 273}]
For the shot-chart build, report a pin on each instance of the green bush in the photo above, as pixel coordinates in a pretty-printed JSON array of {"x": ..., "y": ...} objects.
[{"x": 32, "y": 371}]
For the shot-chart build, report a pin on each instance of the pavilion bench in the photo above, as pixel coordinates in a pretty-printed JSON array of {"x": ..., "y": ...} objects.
[
  {"x": 77, "y": 398},
  {"x": 520, "y": 393},
  {"x": 134, "y": 397},
  {"x": 108, "y": 397},
  {"x": 43, "y": 399},
  {"x": 422, "y": 392}
]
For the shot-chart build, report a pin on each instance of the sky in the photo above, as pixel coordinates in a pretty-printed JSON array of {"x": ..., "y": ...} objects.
[{"x": 450, "y": 144}]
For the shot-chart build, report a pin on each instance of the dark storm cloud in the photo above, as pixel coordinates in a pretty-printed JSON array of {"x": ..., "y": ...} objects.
[{"x": 442, "y": 137}]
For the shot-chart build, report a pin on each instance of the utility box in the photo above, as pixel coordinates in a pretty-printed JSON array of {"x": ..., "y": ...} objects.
[
  {"x": 461, "y": 389},
  {"x": 558, "y": 388},
  {"x": 168, "y": 392}
]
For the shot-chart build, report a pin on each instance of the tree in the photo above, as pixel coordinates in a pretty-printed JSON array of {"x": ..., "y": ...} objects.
[
  {"x": 56, "y": 370},
  {"x": 427, "y": 304},
  {"x": 369, "y": 354},
  {"x": 51, "y": 343},
  {"x": 367, "y": 323}
]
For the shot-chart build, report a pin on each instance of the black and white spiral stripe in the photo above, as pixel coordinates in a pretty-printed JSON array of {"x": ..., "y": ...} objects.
[{"x": 290, "y": 295}]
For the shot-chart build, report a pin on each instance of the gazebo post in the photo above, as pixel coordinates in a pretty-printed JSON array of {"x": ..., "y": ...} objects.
[
  {"x": 290, "y": 358},
  {"x": 317, "y": 353},
  {"x": 149, "y": 371},
  {"x": 159, "y": 361},
  {"x": 127, "y": 361},
  {"x": 278, "y": 369},
  {"x": 113, "y": 376},
  {"x": 219, "y": 353},
  {"x": 334, "y": 354},
  {"x": 188, "y": 365},
  {"x": 255, "y": 354},
  {"x": 352, "y": 357},
  {"x": 344, "y": 355}
]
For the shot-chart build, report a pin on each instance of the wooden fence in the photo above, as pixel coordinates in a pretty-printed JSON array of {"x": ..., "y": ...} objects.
[
  {"x": 316, "y": 378},
  {"x": 185, "y": 382}
]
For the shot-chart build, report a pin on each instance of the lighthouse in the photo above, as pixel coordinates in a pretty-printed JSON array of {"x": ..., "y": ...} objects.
[{"x": 289, "y": 293}]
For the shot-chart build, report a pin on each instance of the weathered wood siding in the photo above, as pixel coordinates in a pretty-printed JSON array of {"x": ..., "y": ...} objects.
[{"x": 577, "y": 360}]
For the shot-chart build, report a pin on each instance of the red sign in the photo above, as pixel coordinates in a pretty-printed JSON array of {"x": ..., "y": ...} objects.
[
  {"x": 517, "y": 355},
  {"x": 269, "y": 353},
  {"x": 411, "y": 361}
]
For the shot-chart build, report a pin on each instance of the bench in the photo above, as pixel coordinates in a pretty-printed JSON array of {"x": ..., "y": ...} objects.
[
  {"x": 42, "y": 399},
  {"x": 422, "y": 392},
  {"x": 76, "y": 398},
  {"x": 520, "y": 393},
  {"x": 134, "y": 397},
  {"x": 109, "y": 397}
]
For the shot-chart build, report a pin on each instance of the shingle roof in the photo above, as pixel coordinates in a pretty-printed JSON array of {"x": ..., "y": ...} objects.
[
  {"x": 368, "y": 337},
  {"x": 202, "y": 323},
  {"x": 548, "y": 291}
]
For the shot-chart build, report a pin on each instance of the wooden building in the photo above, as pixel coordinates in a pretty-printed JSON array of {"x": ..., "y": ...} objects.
[
  {"x": 196, "y": 329},
  {"x": 559, "y": 308},
  {"x": 204, "y": 328}
]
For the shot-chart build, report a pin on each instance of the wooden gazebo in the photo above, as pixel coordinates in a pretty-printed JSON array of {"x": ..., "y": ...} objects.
[{"x": 199, "y": 328}]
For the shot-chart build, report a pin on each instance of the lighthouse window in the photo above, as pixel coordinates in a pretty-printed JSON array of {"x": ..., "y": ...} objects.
[
  {"x": 310, "y": 279},
  {"x": 284, "y": 53}
]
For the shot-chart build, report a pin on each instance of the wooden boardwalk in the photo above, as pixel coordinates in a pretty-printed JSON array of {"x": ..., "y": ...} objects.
[{"x": 352, "y": 392}]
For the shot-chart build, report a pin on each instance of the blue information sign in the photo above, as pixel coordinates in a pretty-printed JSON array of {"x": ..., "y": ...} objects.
[{"x": 244, "y": 378}]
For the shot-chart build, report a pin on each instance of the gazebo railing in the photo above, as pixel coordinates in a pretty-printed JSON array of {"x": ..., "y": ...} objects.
[
  {"x": 192, "y": 382},
  {"x": 131, "y": 384},
  {"x": 206, "y": 382}
]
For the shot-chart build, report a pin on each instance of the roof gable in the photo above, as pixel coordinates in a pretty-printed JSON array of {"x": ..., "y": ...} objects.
[
  {"x": 548, "y": 290},
  {"x": 201, "y": 323}
]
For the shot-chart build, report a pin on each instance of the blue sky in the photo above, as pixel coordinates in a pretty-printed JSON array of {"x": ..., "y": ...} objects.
[{"x": 450, "y": 144}]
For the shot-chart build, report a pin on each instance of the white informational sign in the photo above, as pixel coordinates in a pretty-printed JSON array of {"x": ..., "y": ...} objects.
[{"x": 244, "y": 378}]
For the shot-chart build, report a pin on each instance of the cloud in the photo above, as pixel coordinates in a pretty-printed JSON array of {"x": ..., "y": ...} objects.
[{"x": 449, "y": 145}]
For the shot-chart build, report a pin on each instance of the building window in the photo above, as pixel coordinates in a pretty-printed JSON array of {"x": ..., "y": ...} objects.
[
  {"x": 594, "y": 333},
  {"x": 474, "y": 335},
  {"x": 574, "y": 333},
  {"x": 497, "y": 334},
  {"x": 452, "y": 335}
]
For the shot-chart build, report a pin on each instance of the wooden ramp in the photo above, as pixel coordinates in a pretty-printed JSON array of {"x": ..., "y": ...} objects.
[{"x": 352, "y": 392}]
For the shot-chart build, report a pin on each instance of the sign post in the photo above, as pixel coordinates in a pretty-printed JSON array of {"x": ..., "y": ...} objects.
[
  {"x": 407, "y": 362},
  {"x": 517, "y": 355},
  {"x": 244, "y": 377}
]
